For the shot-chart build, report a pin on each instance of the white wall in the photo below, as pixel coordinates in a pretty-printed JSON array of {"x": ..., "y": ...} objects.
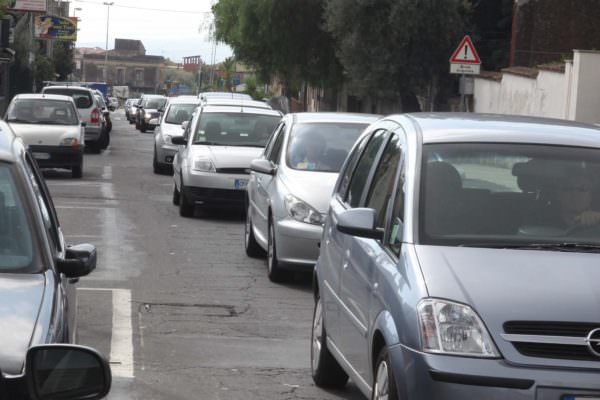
[{"x": 586, "y": 66}]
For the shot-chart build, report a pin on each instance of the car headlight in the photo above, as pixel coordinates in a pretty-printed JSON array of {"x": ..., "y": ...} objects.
[
  {"x": 70, "y": 142},
  {"x": 148, "y": 115},
  {"x": 204, "y": 165},
  {"x": 302, "y": 211},
  {"x": 453, "y": 329}
]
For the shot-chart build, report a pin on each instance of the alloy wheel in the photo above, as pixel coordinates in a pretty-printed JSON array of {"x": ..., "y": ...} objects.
[
  {"x": 317, "y": 332},
  {"x": 382, "y": 386}
]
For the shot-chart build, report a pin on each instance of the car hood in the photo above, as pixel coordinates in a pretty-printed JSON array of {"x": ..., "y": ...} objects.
[
  {"x": 228, "y": 156},
  {"x": 20, "y": 298},
  {"x": 515, "y": 285},
  {"x": 315, "y": 188},
  {"x": 45, "y": 135}
]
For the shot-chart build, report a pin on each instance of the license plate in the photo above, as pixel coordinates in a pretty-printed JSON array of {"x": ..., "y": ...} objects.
[
  {"x": 241, "y": 183},
  {"x": 41, "y": 156}
]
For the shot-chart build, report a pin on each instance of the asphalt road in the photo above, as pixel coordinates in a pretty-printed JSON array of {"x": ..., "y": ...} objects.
[{"x": 175, "y": 304}]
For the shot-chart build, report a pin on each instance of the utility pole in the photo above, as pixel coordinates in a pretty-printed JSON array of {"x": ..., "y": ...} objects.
[{"x": 105, "y": 69}]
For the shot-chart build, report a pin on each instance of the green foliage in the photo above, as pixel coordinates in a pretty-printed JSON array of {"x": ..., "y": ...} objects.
[
  {"x": 43, "y": 69},
  {"x": 252, "y": 89},
  {"x": 395, "y": 46},
  {"x": 279, "y": 37},
  {"x": 62, "y": 57}
]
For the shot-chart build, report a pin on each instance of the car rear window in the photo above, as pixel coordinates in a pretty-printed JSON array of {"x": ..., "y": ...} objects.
[
  {"x": 16, "y": 240},
  {"x": 75, "y": 94},
  {"x": 235, "y": 129},
  {"x": 42, "y": 112}
]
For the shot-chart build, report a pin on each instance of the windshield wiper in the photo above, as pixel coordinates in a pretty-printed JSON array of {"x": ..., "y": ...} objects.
[
  {"x": 564, "y": 246},
  {"x": 210, "y": 143}
]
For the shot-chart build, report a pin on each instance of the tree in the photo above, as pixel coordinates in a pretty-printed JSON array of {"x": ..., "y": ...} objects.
[
  {"x": 397, "y": 47},
  {"x": 228, "y": 70},
  {"x": 282, "y": 37},
  {"x": 62, "y": 57}
]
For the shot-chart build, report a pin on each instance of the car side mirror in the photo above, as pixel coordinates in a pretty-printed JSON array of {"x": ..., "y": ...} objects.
[
  {"x": 359, "y": 222},
  {"x": 179, "y": 140},
  {"x": 263, "y": 166},
  {"x": 79, "y": 261},
  {"x": 184, "y": 125},
  {"x": 66, "y": 372}
]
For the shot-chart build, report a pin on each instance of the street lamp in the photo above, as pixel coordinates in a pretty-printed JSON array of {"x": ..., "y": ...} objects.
[{"x": 107, "y": 4}]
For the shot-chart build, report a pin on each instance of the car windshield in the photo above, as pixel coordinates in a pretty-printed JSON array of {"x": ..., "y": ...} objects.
[
  {"x": 16, "y": 248},
  {"x": 154, "y": 104},
  {"x": 179, "y": 113},
  {"x": 321, "y": 147},
  {"x": 42, "y": 111},
  {"x": 235, "y": 129},
  {"x": 509, "y": 195},
  {"x": 75, "y": 94}
]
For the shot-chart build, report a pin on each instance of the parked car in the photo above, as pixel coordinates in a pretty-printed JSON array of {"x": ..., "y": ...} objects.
[
  {"x": 177, "y": 111},
  {"x": 131, "y": 111},
  {"x": 113, "y": 103},
  {"x": 38, "y": 271},
  {"x": 91, "y": 113},
  {"x": 149, "y": 107},
  {"x": 291, "y": 184},
  {"x": 50, "y": 126},
  {"x": 212, "y": 165},
  {"x": 430, "y": 284},
  {"x": 64, "y": 371},
  {"x": 105, "y": 115},
  {"x": 227, "y": 95}
]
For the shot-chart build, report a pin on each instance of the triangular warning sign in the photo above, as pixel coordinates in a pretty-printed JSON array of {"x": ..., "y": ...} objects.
[{"x": 465, "y": 53}]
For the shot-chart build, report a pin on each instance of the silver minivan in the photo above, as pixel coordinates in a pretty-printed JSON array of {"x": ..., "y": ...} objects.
[
  {"x": 460, "y": 261},
  {"x": 291, "y": 184}
]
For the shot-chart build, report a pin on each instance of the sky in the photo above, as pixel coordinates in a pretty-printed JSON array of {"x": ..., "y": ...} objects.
[{"x": 174, "y": 29}]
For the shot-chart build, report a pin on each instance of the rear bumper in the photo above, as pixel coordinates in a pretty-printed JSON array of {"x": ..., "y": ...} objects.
[
  {"x": 93, "y": 133},
  {"x": 57, "y": 156}
]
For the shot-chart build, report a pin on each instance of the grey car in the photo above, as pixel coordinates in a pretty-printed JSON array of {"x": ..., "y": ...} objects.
[
  {"x": 460, "y": 261},
  {"x": 150, "y": 107},
  {"x": 291, "y": 184},
  {"x": 177, "y": 111}
]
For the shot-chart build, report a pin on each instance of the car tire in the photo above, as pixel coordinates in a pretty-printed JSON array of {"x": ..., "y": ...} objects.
[
  {"x": 176, "y": 195},
  {"x": 252, "y": 247},
  {"x": 77, "y": 171},
  {"x": 326, "y": 371},
  {"x": 155, "y": 165},
  {"x": 95, "y": 147},
  {"x": 274, "y": 271},
  {"x": 384, "y": 383},
  {"x": 186, "y": 208}
]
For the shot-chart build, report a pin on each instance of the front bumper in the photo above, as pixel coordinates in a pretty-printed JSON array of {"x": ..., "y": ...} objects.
[
  {"x": 57, "y": 156},
  {"x": 441, "y": 377},
  {"x": 215, "y": 189},
  {"x": 165, "y": 153},
  {"x": 297, "y": 244}
]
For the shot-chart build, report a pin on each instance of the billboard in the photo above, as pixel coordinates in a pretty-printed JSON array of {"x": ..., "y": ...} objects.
[
  {"x": 57, "y": 28},
  {"x": 30, "y": 5}
]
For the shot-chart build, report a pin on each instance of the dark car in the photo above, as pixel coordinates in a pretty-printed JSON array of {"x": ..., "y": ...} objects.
[
  {"x": 150, "y": 106},
  {"x": 38, "y": 271}
]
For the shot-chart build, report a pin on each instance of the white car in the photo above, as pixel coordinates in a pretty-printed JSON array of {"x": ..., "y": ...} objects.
[
  {"x": 51, "y": 127},
  {"x": 212, "y": 166},
  {"x": 113, "y": 103}
]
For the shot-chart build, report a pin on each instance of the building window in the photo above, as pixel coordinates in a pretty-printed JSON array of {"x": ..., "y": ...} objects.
[
  {"x": 101, "y": 75},
  {"x": 121, "y": 75},
  {"x": 139, "y": 75}
]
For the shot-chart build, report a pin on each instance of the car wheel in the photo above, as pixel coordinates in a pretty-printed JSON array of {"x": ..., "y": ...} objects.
[
  {"x": 275, "y": 273},
  {"x": 252, "y": 247},
  {"x": 186, "y": 208},
  {"x": 143, "y": 127},
  {"x": 326, "y": 371},
  {"x": 155, "y": 165},
  {"x": 77, "y": 171},
  {"x": 176, "y": 195},
  {"x": 95, "y": 147},
  {"x": 384, "y": 385}
]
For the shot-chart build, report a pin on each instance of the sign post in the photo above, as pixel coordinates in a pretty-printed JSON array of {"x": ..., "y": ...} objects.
[{"x": 465, "y": 61}]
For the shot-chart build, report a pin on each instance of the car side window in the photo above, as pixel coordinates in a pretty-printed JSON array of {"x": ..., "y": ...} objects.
[
  {"x": 272, "y": 140},
  {"x": 45, "y": 203},
  {"x": 360, "y": 175},
  {"x": 350, "y": 165},
  {"x": 394, "y": 239},
  {"x": 275, "y": 154},
  {"x": 382, "y": 185}
]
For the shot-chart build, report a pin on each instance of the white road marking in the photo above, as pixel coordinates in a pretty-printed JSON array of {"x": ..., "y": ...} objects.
[{"x": 107, "y": 174}]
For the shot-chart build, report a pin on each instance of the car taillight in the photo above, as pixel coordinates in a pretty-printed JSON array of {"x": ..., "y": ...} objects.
[{"x": 95, "y": 118}]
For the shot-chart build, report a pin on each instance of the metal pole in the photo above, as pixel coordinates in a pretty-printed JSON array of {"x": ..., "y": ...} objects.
[{"x": 106, "y": 47}]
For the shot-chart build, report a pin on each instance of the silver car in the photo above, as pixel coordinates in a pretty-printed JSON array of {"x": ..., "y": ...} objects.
[
  {"x": 460, "y": 261},
  {"x": 212, "y": 165},
  {"x": 290, "y": 187},
  {"x": 177, "y": 111}
]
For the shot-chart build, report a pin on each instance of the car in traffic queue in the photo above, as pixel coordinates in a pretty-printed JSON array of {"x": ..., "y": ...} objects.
[
  {"x": 88, "y": 106},
  {"x": 149, "y": 108},
  {"x": 51, "y": 127},
  {"x": 291, "y": 184},
  {"x": 131, "y": 109},
  {"x": 105, "y": 114},
  {"x": 177, "y": 111},
  {"x": 38, "y": 270},
  {"x": 113, "y": 103},
  {"x": 205, "y": 96},
  {"x": 459, "y": 260},
  {"x": 212, "y": 165}
]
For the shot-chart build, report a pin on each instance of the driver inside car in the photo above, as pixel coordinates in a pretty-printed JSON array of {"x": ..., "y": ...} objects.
[{"x": 574, "y": 201}]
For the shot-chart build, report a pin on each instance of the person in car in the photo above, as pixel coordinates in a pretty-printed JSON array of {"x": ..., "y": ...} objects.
[
  {"x": 310, "y": 151},
  {"x": 574, "y": 202}
]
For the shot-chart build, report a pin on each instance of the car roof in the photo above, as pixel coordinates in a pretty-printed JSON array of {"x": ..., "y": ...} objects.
[
  {"x": 184, "y": 100},
  {"x": 220, "y": 101},
  {"x": 7, "y": 138},
  {"x": 227, "y": 95},
  {"x": 29, "y": 96},
  {"x": 152, "y": 95},
  {"x": 68, "y": 87},
  {"x": 239, "y": 109},
  {"x": 471, "y": 127},
  {"x": 331, "y": 117}
]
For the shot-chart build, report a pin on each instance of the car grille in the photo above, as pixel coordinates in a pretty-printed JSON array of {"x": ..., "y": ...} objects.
[
  {"x": 237, "y": 171},
  {"x": 532, "y": 339}
]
